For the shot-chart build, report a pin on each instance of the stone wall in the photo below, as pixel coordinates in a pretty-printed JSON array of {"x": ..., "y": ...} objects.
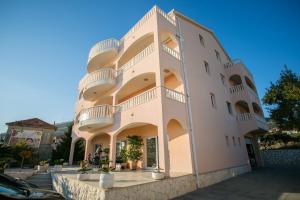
[
  {"x": 281, "y": 158},
  {"x": 213, "y": 177},
  {"x": 164, "y": 189}
]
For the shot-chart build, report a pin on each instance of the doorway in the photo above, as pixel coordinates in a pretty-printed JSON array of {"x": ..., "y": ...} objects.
[
  {"x": 251, "y": 153},
  {"x": 151, "y": 152}
]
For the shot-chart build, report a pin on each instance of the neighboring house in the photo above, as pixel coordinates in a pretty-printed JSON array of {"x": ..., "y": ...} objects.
[
  {"x": 170, "y": 81},
  {"x": 61, "y": 129},
  {"x": 35, "y": 132}
]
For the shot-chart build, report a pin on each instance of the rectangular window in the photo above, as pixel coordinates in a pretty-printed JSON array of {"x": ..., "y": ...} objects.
[
  {"x": 218, "y": 55},
  {"x": 233, "y": 140},
  {"x": 222, "y": 79},
  {"x": 206, "y": 66},
  {"x": 239, "y": 141},
  {"x": 229, "y": 107},
  {"x": 201, "y": 40},
  {"x": 227, "y": 140},
  {"x": 213, "y": 100}
]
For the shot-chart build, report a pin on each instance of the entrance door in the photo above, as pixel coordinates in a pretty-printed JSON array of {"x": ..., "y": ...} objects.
[
  {"x": 151, "y": 152},
  {"x": 251, "y": 155}
]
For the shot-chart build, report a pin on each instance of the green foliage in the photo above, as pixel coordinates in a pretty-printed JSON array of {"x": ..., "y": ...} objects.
[
  {"x": 17, "y": 155},
  {"x": 280, "y": 140},
  {"x": 104, "y": 162},
  {"x": 84, "y": 167},
  {"x": 24, "y": 155},
  {"x": 282, "y": 99},
  {"x": 63, "y": 148},
  {"x": 134, "y": 152},
  {"x": 43, "y": 162},
  {"x": 58, "y": 161},
  {"x": 6, "y": 157}
]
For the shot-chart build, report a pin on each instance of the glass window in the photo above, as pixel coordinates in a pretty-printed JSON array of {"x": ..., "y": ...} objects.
[
  {"x": 229, "y": 107},
  {"x": 206, "y": 66},
  {"x": 227, "y": 140},
  {"x": 222, "y": 79},
  {"x": 201, "y": 40},
  {"x": 218, "y": 55},
  {"x": 213, "y": 100},
  {"x": 233, "y": 140}
]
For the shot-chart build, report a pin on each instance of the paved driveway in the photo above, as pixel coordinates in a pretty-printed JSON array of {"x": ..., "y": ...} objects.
[{"x": 268, "y": 184}]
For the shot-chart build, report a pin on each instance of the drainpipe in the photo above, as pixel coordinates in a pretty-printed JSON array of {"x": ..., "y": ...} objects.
[{"x": 188, "y": 102}]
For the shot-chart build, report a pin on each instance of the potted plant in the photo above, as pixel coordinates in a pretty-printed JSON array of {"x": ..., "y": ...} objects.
[
  {"x": 58, "y": 164},
  {"x": 134, "y": 152},
  {"x": 157, "y": 174},
  {"x": 123, "y": 155},
  {"x": 83, "y": 176},
  {"x": 106, "y": 179},
  {"x": 43, "y": 166},
  {"x": 119, "y": 162}
]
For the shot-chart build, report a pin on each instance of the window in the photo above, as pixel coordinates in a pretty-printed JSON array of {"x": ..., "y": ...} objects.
[
  {"x": 222, "y": 79},
  {"x": 218, "y": 55},
  {"x": 233, "y": 140},
  {"x": 239, "y": 141},
  {"x": 206, "y": 67},
  {"x": 229, "y": 107},
  {"x": 201, "y": 40},
  {"x": 213, "y": 100},
  {"x": 227, "y": 140}
]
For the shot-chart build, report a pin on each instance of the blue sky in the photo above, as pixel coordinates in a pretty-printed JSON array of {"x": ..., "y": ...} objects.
[{"x": 44, "y": 44}]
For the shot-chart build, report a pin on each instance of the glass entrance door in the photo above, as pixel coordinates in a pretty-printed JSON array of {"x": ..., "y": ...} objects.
[{"x": 151, "y": 152}]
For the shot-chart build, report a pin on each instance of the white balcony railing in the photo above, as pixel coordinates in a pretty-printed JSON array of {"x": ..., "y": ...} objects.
[
  {"x": 97, "y": 112},
  {"x": 236, "y": 89},
  {"x": 170, "y": 51},
  {"x": 144, "y": 53},
  {"x": 234, "y": 62},
  {"x": 165, "y": 15},
  {"x": 145, "y": 18},
  {"x": 102, "y": 74},
  {"x": 174, "y": 95},
  {"x": 244, "y": 116},
  {"x": 137, "y": 100},
  {"x": 103, "y": 46}
]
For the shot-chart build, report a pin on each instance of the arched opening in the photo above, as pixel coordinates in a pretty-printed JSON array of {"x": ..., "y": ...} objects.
[
  {"x": 250, "y": 84},
  {"x": 169, "y": 40},
  {"x": 135, "y": 48},
  {"x": 179, "y": 148},
  {"x": 172, "y": 80},
  {"x": 100, "y": 146},
  {"x": 79, "y": 151},
  {"x": 136, "y": 86},
  {"x": 235, "y": 80},
  {"x": 242, "y": 107},
  {"x": 257, "y": 110},
  {"x": 148, "y": 133}
]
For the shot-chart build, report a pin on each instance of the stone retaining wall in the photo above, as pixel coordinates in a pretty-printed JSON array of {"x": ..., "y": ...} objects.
[
  {"x": 281, "y": 158},
  {"x": 164, "y": 189},
  {"x": 217, "y": 176}
]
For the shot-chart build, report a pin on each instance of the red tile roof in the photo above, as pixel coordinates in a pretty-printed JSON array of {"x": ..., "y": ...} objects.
[{"x": 34, "y": 122}]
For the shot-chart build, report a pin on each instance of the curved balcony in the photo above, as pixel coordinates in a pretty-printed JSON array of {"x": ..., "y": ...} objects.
[
  {"x": 102, "y": 54},
  {"x": 98, "y": 82},
  {"x": 95, "y": 117}
]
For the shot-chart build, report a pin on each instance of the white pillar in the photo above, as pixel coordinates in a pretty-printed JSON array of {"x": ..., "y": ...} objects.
[
  {"x": 71, "y": 155},
  {"x": 112, "y": 150}
]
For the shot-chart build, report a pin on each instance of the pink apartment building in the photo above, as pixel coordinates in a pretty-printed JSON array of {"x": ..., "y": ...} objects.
[{"x": 170, "y": 81}]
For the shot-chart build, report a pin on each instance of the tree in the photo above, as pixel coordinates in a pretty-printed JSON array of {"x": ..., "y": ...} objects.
[
  {"x": 6, "y": 157},
  {"x": 24, "y": 155},
  {"x": 62, "y": 150},
  {"x": 282, "y": 99},
  {"x": 17, "y": 148}
]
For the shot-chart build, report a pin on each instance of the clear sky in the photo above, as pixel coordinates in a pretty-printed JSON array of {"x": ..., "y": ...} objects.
[{"x": 44, "y": 44}]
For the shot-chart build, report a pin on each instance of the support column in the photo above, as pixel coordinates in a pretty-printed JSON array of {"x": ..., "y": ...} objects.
[
  {"x": 163, "y": 153},
  {"x": 112, "y": 150},
  {"x": 71, "y": 155},
  {"x": 88, "y": 148}
]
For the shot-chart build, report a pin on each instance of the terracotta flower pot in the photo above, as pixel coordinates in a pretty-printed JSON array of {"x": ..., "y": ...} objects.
[{"x": 132, "y": 165}]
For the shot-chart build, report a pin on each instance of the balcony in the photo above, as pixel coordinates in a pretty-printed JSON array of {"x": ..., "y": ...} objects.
[
  {"x": 237, "y": 63},
  {"x": 250, "y": 122},
  {"x": 98, "y": 82},
  {"x": 95, "y": 117},
  {"x": 102, "y": 54}
]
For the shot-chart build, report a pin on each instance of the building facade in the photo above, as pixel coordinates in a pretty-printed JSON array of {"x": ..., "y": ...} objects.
[
  {"x": 35, "y": 132},
  {"x": 170, "y": 81}
]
